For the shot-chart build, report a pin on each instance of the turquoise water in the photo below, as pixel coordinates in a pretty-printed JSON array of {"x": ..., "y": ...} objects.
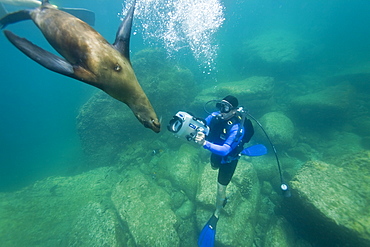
[
  {"x": 306, "y": 46},
  {"x": 38, "y": 107},
  {"x": 38, "y": 134}
]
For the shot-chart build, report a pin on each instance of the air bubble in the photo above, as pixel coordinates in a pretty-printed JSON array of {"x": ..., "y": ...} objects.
[{"x": 182, "y": 24}]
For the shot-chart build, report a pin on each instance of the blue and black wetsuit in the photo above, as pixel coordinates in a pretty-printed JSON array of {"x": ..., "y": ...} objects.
[{"x": 223, "y": 141}]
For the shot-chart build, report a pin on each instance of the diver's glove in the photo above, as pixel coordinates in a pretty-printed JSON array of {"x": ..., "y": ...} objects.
[{"x": 200, "y": 138}]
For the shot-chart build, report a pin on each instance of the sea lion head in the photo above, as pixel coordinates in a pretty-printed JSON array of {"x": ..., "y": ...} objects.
[
  {"x": 151, "y": 123},
  {"x": 145, "y": 113}
]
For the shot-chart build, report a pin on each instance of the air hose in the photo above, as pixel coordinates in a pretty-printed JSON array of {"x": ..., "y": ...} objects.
[{"x": 283, "y": 186}]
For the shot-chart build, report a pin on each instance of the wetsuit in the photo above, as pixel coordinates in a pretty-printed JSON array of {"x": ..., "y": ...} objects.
[{"x": 223, "y": 141}]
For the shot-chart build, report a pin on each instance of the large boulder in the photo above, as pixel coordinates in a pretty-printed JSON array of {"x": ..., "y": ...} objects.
[
  {"x": 280, "y": 233},
  {"x": 330, "y": 204},
  {"x": 323, "y": 109},
  {"x": 279, "y": 128},
  {"x": 271, "y": 52},
  {"x": 146, "y": 209},
  {"x": 275, "y": 46},
  {"x": 105, "y": 126},
  {"x": 169, "y": 85},
  {"x": 63, "y": 211},
  {"x": 182, "y": 169}
]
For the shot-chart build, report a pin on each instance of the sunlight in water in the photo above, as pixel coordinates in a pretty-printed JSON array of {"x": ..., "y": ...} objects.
[{"x": 180, "y": 24}]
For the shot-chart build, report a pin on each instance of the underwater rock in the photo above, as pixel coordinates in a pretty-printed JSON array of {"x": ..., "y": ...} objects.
[
  {"x": 330, "y": 204},
  {"x": 253, "y": 93},
  {"x": 238, "y": 219},
  {"x": 339, "y": 142},
  {"x": 105, "y": 126},
  {"x": 323, "y": 109},
  {"x": 182, "y": 169},
  {"x": 275, "y": 46},
  {"x": 100, "y": 226},
  {"x": 270, "y": 53},
  {"x": 279, "y": 128},
  {"x": 169, "y": 85},
  {"x": 280, "y": 233},
  {"x": 361, "y": 125},
  {"x": 61, "y": 211},
  {"x": 206, "y": 194},
  {"x": 145, "y": 209},
  {"x": 265, "y": 167}
]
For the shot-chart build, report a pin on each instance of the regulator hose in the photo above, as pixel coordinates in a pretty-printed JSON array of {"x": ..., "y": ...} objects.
[{"x": 283, "y": 186}]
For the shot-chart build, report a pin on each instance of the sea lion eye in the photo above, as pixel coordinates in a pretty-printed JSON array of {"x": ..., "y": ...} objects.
[{"x": 117, "y": 67}]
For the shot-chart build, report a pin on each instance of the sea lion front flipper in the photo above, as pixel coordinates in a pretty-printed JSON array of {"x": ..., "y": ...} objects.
[
  {"x": 84, "y": 14},
  {"x": 41, "y": 56},
  {"x": 3, "y": 11},
  {"x": 14, "y": 17},
  {"x": 122, "y": 41}
]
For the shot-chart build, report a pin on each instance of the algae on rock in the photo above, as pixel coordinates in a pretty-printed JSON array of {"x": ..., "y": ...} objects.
[
  {"x": 52, "y": 212},
  {"x": 145, "y": 208},
  {"x": 279, "y": 128},
  {"x": 332, "y": 200}
]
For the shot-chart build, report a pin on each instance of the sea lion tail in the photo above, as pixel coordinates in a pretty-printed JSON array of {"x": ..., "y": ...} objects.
[{"x": 11, "y": 18}]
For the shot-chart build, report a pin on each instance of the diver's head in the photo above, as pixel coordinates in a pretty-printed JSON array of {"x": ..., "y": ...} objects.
[{"x": 227, "y": 104}]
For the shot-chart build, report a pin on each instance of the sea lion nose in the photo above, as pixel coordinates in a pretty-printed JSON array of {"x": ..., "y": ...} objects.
[
  {"x": 156, "y": 125},
  {"x": 152, "y": 124}
]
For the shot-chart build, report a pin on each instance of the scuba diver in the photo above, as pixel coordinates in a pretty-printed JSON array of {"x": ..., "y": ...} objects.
[
  {"x": 229, "y": 130},
  {"x": 224, "y": 133}
]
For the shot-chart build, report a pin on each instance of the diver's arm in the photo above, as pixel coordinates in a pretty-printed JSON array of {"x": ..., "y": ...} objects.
[
  {"x": 217, "y": 149},
  {"x": 224, "y": 149}
]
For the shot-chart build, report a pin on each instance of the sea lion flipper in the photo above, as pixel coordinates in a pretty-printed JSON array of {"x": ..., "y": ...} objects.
[
  {"x": 41, "y": 56},
  {"x": 122, "y": 41},
  {"x": 21, "y": 15},
  {"x": 84, "y": 14}
]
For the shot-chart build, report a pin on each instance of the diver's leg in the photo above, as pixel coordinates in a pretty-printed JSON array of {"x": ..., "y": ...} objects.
[
  {"x": 215, "y": 161},
  {"x": 220, "y": 198},
  {"x": 225, "y": 173}
]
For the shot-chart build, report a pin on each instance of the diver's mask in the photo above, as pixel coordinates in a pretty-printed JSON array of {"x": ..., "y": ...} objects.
[
  {"x": 224, "y": 106},
  {"x": 227, "y": 111}
]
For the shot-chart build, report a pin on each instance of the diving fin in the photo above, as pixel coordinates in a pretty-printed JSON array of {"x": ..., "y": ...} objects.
[
  {"x": 84, "y": 14},
  {"x": 255, "y": 150},
  {"x": 3, "y": 11},
  {"x": 208, "y": 233}
]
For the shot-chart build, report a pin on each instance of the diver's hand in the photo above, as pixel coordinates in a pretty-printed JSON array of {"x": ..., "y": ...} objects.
[{"x": 200, "y": 138}]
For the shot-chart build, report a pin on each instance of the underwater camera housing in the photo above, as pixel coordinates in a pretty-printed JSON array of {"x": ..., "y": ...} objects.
[{"x": 185, "y": 125}]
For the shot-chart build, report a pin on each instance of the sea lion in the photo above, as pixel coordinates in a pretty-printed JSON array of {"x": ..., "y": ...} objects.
[{"x": 88, "y": 56}]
